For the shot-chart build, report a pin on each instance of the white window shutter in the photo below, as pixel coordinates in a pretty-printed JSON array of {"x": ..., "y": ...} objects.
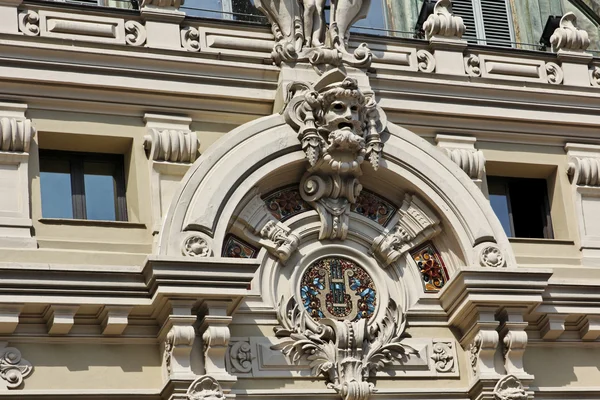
[{"x": 486, "y": 21}]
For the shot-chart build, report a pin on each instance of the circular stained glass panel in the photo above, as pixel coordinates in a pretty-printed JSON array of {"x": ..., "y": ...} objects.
[{"x": 338, "y": 288}]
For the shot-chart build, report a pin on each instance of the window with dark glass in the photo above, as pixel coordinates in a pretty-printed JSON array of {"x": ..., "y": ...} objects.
[
  {"x": 82, "y": 186},
  {"x": 522, "y": 206}
]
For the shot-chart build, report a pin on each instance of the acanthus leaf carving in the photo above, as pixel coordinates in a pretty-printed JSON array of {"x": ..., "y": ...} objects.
[
  {"x": 443, "y": 356},
  {"x": 13, "y": 368},
  {"x": 443, "y": 23},
  {"x": 259, "y": 225},
  {"x": 416, "y": 224},
  {"x": 205, "y": 388},
  {"x": 339, "y": 127},
  {"x": 347, "y": 353},
  {"x": 177, "y": 348},
  {"x": 15, "y": 134},
  {"x": 510, "y": 388},
  {"x": 135, "y": 33},
  {"x": 301, "y": 34},
  {"x": 567, "y": 37}
]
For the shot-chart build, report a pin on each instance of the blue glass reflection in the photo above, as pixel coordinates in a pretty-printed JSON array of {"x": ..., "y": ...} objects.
[
  {"x": 56, "y": 194},
  {"x": 100, "y": 197},
  {"x": 499, "y": 203}
]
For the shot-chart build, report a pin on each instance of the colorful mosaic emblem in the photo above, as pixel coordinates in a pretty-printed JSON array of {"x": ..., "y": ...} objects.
[
  {"x": 286, "y": 203},
  {"x": 431, "y": 266},
  {"x": 337, "y": 288},
  {"x": 237, "y": 248},
  {"x": 373, "y": 207}
]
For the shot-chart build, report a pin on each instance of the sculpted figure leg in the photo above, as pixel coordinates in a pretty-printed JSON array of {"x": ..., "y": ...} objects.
[
  {"x": 309, "y": 10},
  {"x": 319, "y": 24}
]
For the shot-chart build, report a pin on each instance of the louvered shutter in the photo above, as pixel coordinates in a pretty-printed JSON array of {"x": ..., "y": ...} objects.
[
  {"x": 464, "y": 9},
  {"x": 487, "y": 21},
  {"x": 496, "y": 22}
]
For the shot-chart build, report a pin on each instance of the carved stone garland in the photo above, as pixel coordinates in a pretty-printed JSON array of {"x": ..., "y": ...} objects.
[
  {"x": 339, "y": 127},
  {"x": 301, "y": 33},
  {"x": 347, "y": 353}
]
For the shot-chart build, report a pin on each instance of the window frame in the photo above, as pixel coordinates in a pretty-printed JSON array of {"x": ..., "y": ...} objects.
[{"x": 76, "y": 162}]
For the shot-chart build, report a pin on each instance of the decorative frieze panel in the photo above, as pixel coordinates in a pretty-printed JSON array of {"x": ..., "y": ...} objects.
[
  {"x": 512, "y": 69},
  {"x": 227, "y": 42},
  {"x": 254, "y": 357}
]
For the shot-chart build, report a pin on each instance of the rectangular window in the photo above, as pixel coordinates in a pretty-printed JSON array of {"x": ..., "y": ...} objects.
[
  {"x": 487, "y": 21},
  {"x": 82, "y": 186},
  {"x": 522, "y": 206}
]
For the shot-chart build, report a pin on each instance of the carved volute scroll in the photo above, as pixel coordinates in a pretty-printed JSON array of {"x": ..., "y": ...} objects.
[
  {"x": 301, "y": 34},
  {"x": 339, "y": 127},
  {"x": 416, "y": 224},
  {"x": 442, "y": 23}
]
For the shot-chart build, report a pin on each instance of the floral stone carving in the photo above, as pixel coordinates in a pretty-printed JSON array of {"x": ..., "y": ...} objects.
[
  {"x": 416, "y": 224},
  {"x": 443, "y": 356},
  {"x": 13, "y": 368},
  {"x": 301, "y": 34},
  {"x": 205, "y": 388},
  {"x": 510, "y": 388},
  {"x": 347, "y": 353},
  {"x": 339, "y": 127},
  {"x": 240, "y": 357}
]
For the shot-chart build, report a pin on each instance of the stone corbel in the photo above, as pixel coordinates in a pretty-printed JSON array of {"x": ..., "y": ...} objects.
[
  {"x": 461, "y": 150},
  {"x": 16, "y": 133},
  {"x": 172, "y": 147},
  {"x": 591, "y": 328},
  {"x": 570, "y": 43},
  {"x": 214, "y": 328},
  {"x": 177, "y": 335},
  {"x": 415, "y": 224},
  {"x": 482, "y": 343},
  {"x": 444, "y": 32},
  {"x": 583, "y": 170},
  {"x": 9, "y": 318},
  {"x": 162, "y": 19},
  {"x": 514, "y": 339},
  {"x": 60, "y": 319},
  {"x": 259, "y": 226},
  {"x": 114, "y": 319},
  {"x": 552, "y": 326}
]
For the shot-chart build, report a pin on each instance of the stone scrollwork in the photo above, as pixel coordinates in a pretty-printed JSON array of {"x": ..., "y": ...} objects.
[
  {"x": 135, "y": 33},
  {"x": 426, "y": 61},
  {"x": 473, "y": 65},
  {"x": 190, "y": 38},
  {"x": 205, "y": 388},
  {"x": 567, "y": 37},
  {"x": 474, "y": 349},
  {"x": 443, "y": 356},
  {"x": 301, "y": 35},
  {"x": 178, "y": 342},
  {"x": 339, "y": 127},
  {"x": 259, "y": 225},
  {"x": 29, "y": 23},
  {"x": 554, "y": 73},
  {"x": 491, "y": 256},
  {"x": 416, "y": 224},
  {"x": 595, "y": 76},
  {"x": 13, "y": 368},
  {"x": 15, "y": 134},
  {"x": 510, "y": 388},
  {"x": 172, "y": 145},
  {"x": 240, "y": 357},
  {"x": 347, "y": 353},
  {"x": 443, "y": 23},
  {"x": 584, "y": 171}
]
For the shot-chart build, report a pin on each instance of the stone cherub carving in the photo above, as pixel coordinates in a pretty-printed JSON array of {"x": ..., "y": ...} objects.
[
  {"x": 339, "y": 127},
  {"x": 301, "y": 34}
]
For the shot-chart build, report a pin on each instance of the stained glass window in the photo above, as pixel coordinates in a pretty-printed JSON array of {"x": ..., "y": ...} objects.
[
  {"x": 237, "y": 248},
  {"x": 432, "y": 268},
  {"x": 338, "y": 288},
  {"x": 374, "y": 207},
  {"x": 285, "y": 203}
]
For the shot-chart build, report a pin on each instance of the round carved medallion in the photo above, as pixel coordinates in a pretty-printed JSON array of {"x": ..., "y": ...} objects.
[{"x": 338, "y": 288}]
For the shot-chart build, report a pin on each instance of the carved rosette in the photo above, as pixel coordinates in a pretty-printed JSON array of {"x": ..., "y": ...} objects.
[
  {"x": 347, "y": 353},
  {"x": 339, "y": 127},
  {"x": 205, "y": 388},
  {"x": 416, "y": 224},
  {"x": 135, "y": 33},
  {"x": 15, "y": 134},
  {"x": 567, "y": 37},
  {"x": 443, "y": 23},
  {"x": 13, "y": 368},
  {"x": 196, "y": 246},
  {"x": 301, "y": 34},
  {"x": 510, "y": 388},
  {"x": 491, "y": 256}
]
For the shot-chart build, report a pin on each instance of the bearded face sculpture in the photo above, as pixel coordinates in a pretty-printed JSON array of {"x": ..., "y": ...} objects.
[{"x": 339, "y": 127}]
